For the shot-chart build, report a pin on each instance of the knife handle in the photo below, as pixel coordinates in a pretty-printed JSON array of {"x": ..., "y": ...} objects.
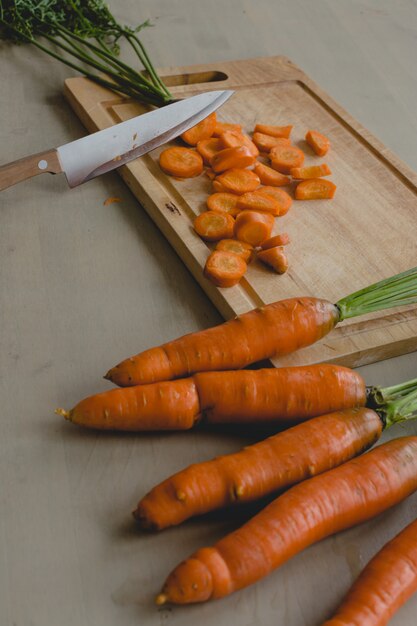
[{"x": 29, "y": 166}]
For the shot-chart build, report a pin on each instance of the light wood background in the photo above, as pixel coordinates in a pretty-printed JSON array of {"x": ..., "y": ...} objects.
[{"x": 82, "y": 285}]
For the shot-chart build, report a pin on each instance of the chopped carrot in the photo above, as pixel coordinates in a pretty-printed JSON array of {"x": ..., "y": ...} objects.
[
  {"x": 253, "y": 227},
  {"x": 208, "y": 148},
  {"x": 313, "y": 171},
  {"x": 213, "y": 226},
  {"x": 274, "y": 131},
  {"x": 275, "y": 258},
  {"x": 282, "y": 196},
  {"x": 181, "y": 162},
  {"x": 254, "y": 201},
  {"x": 222, "y": 127},
  {"x": 318, "y": 142},
  {"x": 278, "y": 240},
  {"x": 269, "y": 176},
  {"x": 234, "y": 139},
  {"x": 202, "y": 130},
  {"x": 223, "y": 202},
  {"x": 224, "y": 269},
  {"x": 285, "y": 158},
  {"x": 219, "y": 188},
  {"x": 315, "y": 189},
  {"x": 111, "y": 200},
  {"x": 265, "y": 143},
  {"x": 229, "y": 158},
  {"x": 237, "y": 181},
  {"x": 241, "y": 248},
  {"x": 210, "y": 174}
]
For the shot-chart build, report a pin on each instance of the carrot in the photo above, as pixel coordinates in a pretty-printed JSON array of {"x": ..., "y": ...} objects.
[
  {"x": 312, "y": 510},
  {"x": 277, "y": 462},
  {"x": 212, "y": 225},
  {"x": 234, "y": 139},
  {"x": 202, "y": 130},
  {"x": 222, "y": 127},
  {"x": 385, "y": 584},
  {"x": 280, "y": 196},
  {"x": 265, "y": 143},
  {"x": 318, "y": 142},
  {"x": 229, "y": 158},
  {"x": 218, "y": 187},
  {"x": 274, "y": 131},
  {"x": 315, "y": 189},
  {"x": 269, "y": 176},
  {"x": 224, "y": 203},
  {"x": 274, "y": 257},
  {"x": 286, "y": 158},
  {"x": 313, "y": 171},
  {"x": 253, "y": 227},
  {"x": 237, "y": 181},
  {"x": 269, "y": 331},
  {"x": 254, "y": 201},
  {"x": 208, "y": 148},
  {"x": 278, "y": 240},
  {"x": 181, "y": 162},
  {"x": 224, "y": 269},
  {"x": 241, "y": 248}
]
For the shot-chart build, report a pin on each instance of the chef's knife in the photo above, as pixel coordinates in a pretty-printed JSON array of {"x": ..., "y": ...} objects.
[{"x": 107, "y": 149}]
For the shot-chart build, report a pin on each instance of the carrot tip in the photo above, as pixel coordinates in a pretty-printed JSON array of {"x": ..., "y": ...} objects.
[
  {"x": 63, "y": 412},
  {"x": 161, "y": 599},
  {"x": 108, "y": 376}
]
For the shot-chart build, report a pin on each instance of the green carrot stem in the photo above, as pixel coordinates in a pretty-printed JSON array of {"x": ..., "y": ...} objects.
[
  {"x": 394, "y": 404},
  {"x": 142, "y": 53}
]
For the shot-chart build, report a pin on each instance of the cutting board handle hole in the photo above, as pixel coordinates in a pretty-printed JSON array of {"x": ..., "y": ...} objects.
[{"x": 194, "y": 78}]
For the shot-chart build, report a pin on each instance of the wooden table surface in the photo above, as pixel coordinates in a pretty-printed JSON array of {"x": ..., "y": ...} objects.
[{"x": 83, "y": 285}]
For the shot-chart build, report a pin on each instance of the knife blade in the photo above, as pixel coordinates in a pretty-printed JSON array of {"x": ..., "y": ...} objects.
[{"x": 103, "y": 151}]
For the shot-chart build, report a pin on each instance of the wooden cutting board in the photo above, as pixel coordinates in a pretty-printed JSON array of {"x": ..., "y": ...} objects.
[{"x": 366, "y": 233}]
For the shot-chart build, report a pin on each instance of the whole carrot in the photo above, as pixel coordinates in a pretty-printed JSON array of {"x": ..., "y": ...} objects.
[
  {"x": 275, "y": 463},
  {"x": 385, "y": 584},
  {"x": 269, "y": 331},
  {"x": 312, "y": 510}
]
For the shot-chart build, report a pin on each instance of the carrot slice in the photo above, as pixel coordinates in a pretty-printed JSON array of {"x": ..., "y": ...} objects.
[
  {"x": 269, "y": 176},
  {"x": 241, "y": 248},
  {"x": 232, "y": 157},
  {"x": 181, "y": 162},
  {"x": 274, "y": 131},
  {"x": 315, "y": 189},
  {"x": 265, "y": 143},
  {"x": 254, "y": 201},
  {"x": 224, "y": 203},
  {"x": 224, "y": 269},
  {"x": 320, "y": 143},
  {"x": 275, "y": 258},
  {"x": 208, "y": 148},
  {"x": 253, "y": 227},
  {"x": 285, "y": 158},
  {"x": 313, "y": 171},
  {"x": 202, "y": 130},
  {"x": 237, "y": 181},
  {"x": 282, "y": 196},
  {"x": 222, "y": 127},
  {"x": 212, "y": 226},
  {"x": 278, "y": 240},
  {"x": 234, "y": 139}
]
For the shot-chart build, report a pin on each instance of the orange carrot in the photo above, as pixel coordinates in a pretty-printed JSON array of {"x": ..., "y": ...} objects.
[
  {"x": 275, "y": 258},
  {"x": 318, "y": 142},
  {"x": 274, "y": 131},
  {"x": 224, "y": 269},
  {"x": 208, "y": 148},
  {"x": 280, "y": 196},
  {"x": 254, "y": 201},
  {"x": 286, "y": 158},
  {"x": 265, "y": 143},
  {"x": 202, "y": 130},
  {"x": 234, "y": 139},
  {"x": 222, "y": 127},
  {"x": 315, "y": 189},
  {"x": 241, "y": 248},
  {"x": 224, "y": 203},
  {"x": 385, "y": 584},
  {"x": 229, "y": 158},
  {"x": 181, "y": 162},
  {"x": 218, "y": 187},
  {"x": 312, "y": 510},
  {"x": 253, "y": 227},
  {"x": 212, "y": 225},
  {"x": 313, "y": 171},
  {"x": 270, "y": 177},
  {"x": 278, "y": 240},
  {"x": 237, "y": 181}
]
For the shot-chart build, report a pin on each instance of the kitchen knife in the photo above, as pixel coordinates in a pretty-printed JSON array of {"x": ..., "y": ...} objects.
[{"x": 107, "y": 149}]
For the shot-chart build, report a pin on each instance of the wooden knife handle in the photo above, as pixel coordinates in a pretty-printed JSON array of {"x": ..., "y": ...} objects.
[{"x": 30, "y": 166}]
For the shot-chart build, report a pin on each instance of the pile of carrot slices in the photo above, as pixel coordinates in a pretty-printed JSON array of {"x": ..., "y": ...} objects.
[{"x": 247, "y": 173}]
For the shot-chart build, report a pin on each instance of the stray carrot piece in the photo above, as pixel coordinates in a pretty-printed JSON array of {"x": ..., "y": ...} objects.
[
  {"x": 269, "y": 176},
  {"x": 274, "y": 131},
  {"x": 282, "y": 196},
  {"x": 315, "y": 189},
  {"x": 208, "y": 148},
  {"x": 111, "y": 201},
  {"x": 232, "y": 157},
  {"x": 237, "y": 181},
  {"x": 234, "y": 139},
  {"x": 265, "y": 143},
  {"x": 213, "y": 226},
  {"x": 224, "y": 269},
  {"x": 253, "y": 227},
  {"x": 222, "y": 127},
  {"x": 241, "y": 248},
  {"x": 202, "y": 130},
  {"x": 318, "y": 142},
  {"x": 181, "y": 162},
  {"x": 254, "y": 201},
  {"x": 285, "y": 158},
  {"x": 278, "y": 240},
  {"x": 275, "y": 258},
  {"x": 224, "y": 203},
  {"x": 313, "y": 171}
]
